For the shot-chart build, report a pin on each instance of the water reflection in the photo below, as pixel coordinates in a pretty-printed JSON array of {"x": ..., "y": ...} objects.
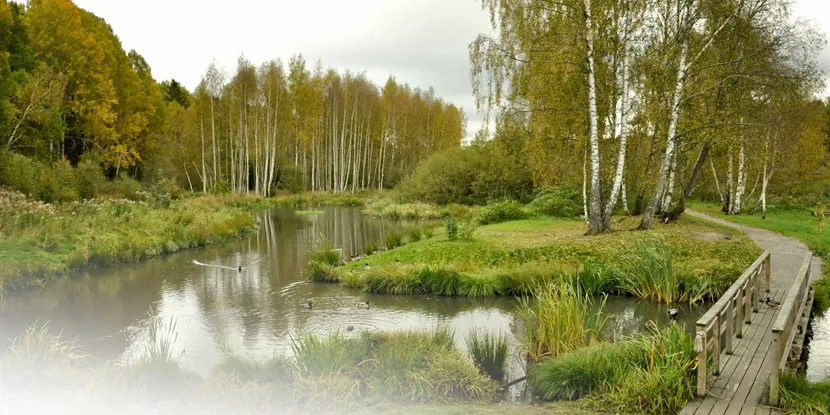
[{"x": 258, "y": 311}]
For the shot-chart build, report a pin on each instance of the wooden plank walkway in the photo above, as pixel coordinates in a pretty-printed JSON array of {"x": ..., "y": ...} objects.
[{"x": 740, "y": 387}]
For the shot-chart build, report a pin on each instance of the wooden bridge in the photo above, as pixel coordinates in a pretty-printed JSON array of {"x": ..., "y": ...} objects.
[{"x": 748, "y": 338}]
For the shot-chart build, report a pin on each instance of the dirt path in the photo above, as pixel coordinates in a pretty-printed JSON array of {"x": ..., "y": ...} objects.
[{"x": 786, "y": 253}]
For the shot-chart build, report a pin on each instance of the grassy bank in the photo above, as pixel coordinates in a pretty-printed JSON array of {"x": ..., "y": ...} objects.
[
  {"x": 685, "y": 261},
  {"x": 39, "y": 241},
  {"x": 369, "y": 373}
]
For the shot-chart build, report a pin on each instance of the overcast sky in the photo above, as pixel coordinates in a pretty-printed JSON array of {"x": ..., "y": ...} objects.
[{"x": 420, "y": 42}]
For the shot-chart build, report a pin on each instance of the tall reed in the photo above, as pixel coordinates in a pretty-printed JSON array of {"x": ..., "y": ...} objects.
[
  {"x": 647, "y": 273},
  {"x": 560, "y": 318},
  {"x": 36, "y": 348},
  {"x": 161, "y": 339},
  {"x": 489, "y": 352}
]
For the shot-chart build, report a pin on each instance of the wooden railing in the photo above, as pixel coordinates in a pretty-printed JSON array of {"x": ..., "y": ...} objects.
[
  {"x": 789, "y": 322},
  {"x": 727, "y": 316}
]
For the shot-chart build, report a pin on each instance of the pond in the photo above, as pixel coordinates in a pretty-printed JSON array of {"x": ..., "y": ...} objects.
[{"x": 257, "y": 312}]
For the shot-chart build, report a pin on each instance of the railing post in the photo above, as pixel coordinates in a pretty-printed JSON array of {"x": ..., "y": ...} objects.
[
  {"x": 730, "y": 324},
  {"x": 702, "y": 373},
  {"x": 756, "y": 291},
  {"x": 739, "y": 317},
  {"x": 748, "y": 303},
  {"x": 716, "y": 347},
  {"x": 767, "y": 271},
  {"x": 773, "y": 370}
]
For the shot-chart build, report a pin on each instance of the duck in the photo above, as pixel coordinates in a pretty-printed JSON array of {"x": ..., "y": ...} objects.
[
  {"x": 673, "y": 312},
  {"x": 239, "y": 269},
  {"x": 397, "y": 262},
  {"x": 350, "y": 328},
  {"x": 368, "y": 305},
  {"x": 356, "y": 258},
  {"x": 308, "y": 304},
  {"x": 771, "y": 303},
  {"x": 367, "y": 267}
]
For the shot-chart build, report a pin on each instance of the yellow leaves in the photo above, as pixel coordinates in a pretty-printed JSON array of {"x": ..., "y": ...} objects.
[{"x": 120, "y": 155}]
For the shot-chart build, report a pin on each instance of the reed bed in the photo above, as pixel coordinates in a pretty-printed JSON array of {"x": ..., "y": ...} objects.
[
  {"x": 489, "y": 352},
  {"x": 558, "y": 319}
]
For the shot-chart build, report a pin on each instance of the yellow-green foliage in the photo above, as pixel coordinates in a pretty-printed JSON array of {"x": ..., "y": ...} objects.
[
  {"x": 558, "y": 319},
  {"x": 40, "y": 240}
]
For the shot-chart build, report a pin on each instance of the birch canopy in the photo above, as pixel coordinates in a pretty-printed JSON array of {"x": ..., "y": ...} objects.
[{"x": 646, "y": 92}]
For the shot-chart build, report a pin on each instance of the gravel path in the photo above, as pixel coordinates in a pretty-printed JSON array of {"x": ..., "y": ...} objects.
[{"x": 786, "y": 253}]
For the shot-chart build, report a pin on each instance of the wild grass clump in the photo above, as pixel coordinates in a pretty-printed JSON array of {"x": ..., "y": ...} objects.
[
  {"x": 652, "y": 373},
  {"x": 481, "y": 285},
  {"x": 333, "y": 354},
  {"x": 399, "y": 280},
  {"x": 277, "y": 369},
  {"x": 460, "y": 229},
  {"x": 594, "y": 279},
  {"x": 412, "y": 367},
  {"x": 36, "y": 349},
  {"x": 371, "y": 248},
  {"x": 160, "y": 341},
  {"x": 385, "y": 207},
  {"x": 821, "y": 293},
  {"x": 799, "y": 396},
  {"x": 414, "y": 235},
  {"x": 327, "y": 255},
  {"x": 646, "y": 272},
  {"x": 393, "y": 240},
  {"x": 489, "y": 352},
  {"x": 429, "y": 233},
  {"x": 323, "y": 272},
  {"x": 559, "y": 319},
  {"x": 440, "y": 280},
  {"x": 498, "y": 212}
]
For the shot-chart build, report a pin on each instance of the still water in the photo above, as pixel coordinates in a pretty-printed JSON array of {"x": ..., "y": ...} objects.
[{"x": 257, "y": 312}]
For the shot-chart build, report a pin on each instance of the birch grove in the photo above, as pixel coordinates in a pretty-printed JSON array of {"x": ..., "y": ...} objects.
[{"x": 680, "y": 83}]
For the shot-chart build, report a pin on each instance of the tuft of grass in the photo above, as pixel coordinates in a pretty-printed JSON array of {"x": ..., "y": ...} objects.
[
  {"x": 160, "y": 341},
  {"x": 277, "y": 369},
  {"x": 330, "y": 355},
  {"x": 440, "y": 280},
  {"x": 652, "y": 373},
  {"x": 403, "y": 279},
  {"x": 327, "y": 255},
  {"x": 821, "y": 292},
  {"x": 647, "y": 273},
  {"x": 559, "y": 319},
  {"x": 36, "y": 348},
  {"x": 799, "y": 396},
  {"x": 323, "y": 272},
  {"x": 595, "y": 279},
  {"x": 371, "y": 248},
  {"x": 393, "y": 240},
  {"x": 489, "y": 352},
  {"x": 481, "y": 285},
  {"x": 414, "y": 235}
]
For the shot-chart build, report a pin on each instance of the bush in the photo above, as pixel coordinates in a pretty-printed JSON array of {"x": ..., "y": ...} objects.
[
  {"x": 122, "y": 187},
  {"x": 459, "y": 229},
  {"x": 501, "y": 212},
  {"x": 563, "y": 201},
  {"x": 20, "y": 173},
  {"x": 291, "y": 178},
  {"x": 90, "y": 178},
  {"x": 67, "y": 182}
]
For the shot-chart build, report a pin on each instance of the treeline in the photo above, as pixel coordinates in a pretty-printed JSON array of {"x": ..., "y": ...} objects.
[
  {"x": 652, "y": 101},
  {"x": 69, "y": 91}
]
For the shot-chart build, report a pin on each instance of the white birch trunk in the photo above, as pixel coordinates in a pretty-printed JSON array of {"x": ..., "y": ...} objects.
[
  {"x": 595, "y": 225},
  {"x": 739, "y": 193}
]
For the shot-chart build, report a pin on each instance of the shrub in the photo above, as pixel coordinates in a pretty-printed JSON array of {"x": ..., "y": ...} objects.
[
  {"x": 291, "y": 178},
  {"x": 20, "y": 173},
  {"x": 563, "y": 201},
  {"x": 90, "y": 178},
  {"x": 501, "y": 212},
  {"x": 122, "y": 187},
  {"x": 66, "y": 181},
  {"x": 489, "y": 352}
]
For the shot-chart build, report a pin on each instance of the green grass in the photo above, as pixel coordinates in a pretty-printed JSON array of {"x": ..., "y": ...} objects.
[
  {"x": 513, "y": 257},
  {"x": 799, "y": 396},
  {"x": 558, "y": 319},
  {"x": 795, "y": 222},
  {"x": 489, "y": 352},
  {"x": 41, "y": 241},
  {"x": 652, "y": 373}
]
